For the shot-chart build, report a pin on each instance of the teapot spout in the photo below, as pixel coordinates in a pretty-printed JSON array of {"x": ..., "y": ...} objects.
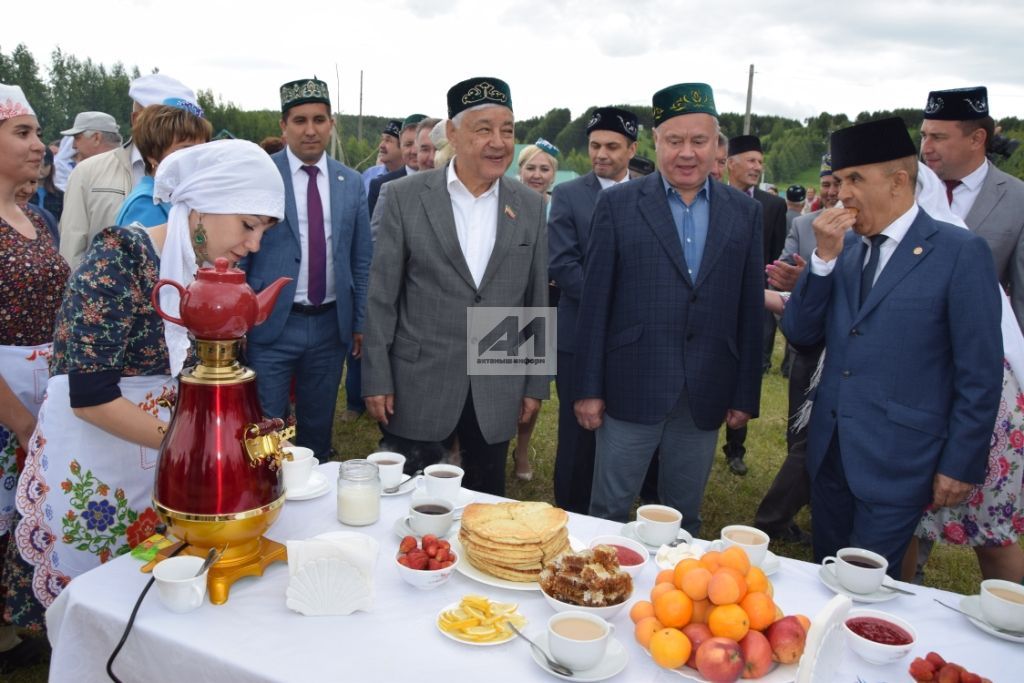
[{"x": 266, "y": 299}]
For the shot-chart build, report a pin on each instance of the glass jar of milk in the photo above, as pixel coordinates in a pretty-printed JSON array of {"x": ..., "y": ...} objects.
[{"x": 358, "y": 493}]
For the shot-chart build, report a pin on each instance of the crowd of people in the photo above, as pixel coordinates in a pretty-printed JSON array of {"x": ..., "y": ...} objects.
[{"x": 671, "y": 280}]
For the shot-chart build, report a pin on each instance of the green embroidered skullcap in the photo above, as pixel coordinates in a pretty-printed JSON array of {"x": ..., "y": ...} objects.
[
  {"x": 412, "y": 120},
  {"x": 303, "y": 92},
  {"x": 683, "y": 98},
  {"x": 475, "y": 91}
]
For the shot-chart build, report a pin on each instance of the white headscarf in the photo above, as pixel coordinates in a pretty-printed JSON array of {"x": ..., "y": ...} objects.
[
  {"x": 931, "y": 196},
  {"x": 13, "y": 102},
  {"x": 223, "y": 177}
]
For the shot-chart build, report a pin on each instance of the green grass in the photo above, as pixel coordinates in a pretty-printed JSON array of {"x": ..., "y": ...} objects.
[{"x": 728, "y": 500}]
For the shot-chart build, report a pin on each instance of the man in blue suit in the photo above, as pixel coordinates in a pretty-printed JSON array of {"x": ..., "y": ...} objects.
[
  {"x": 611, "y": 143},
  {"x": 668, "y": 343},
  {"x": 909, "y": 311},
  {"x": 324, "y": 246}
]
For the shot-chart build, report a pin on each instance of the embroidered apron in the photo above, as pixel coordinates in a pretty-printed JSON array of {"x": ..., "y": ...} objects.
[
  {"x": 24, "y": 369},
  {"x": 85, "y": 496}
]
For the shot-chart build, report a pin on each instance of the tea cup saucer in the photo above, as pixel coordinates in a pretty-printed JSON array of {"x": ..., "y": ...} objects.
[
  {"x": 629, "y": 531},
  {"x": 315, "y": 487},
  {"x": 614, "y": 661},
  {"x": 827, "y": 574},
  {"x": 464, "y": 498},
  {"x": 402, "y": 529},
  {"x": 971, "y": 605}
]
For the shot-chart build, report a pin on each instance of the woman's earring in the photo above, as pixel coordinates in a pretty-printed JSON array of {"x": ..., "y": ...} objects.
[{"x": 199, "y": 244}]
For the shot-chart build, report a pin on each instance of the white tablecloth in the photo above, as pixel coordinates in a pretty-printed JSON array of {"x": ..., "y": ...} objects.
[{"x": 254, "y": 637}]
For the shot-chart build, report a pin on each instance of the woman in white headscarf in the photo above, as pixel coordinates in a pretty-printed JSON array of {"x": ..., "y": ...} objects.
[{"x": 85, "y": 493}]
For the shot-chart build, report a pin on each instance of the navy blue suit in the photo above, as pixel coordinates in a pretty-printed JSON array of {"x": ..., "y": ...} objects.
[
  {"x": 911, "y": 381},
  {"x": 375, "y": 185},
  {"x": 311, "y": 347}
]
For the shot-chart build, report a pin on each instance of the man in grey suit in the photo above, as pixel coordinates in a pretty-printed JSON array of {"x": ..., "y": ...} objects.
[
  {"x": 955, "y": 134},
  {"x": 324, "y": 246},
  {"x": 611, "y": 143},
  {"x": 453, "y": 239}
]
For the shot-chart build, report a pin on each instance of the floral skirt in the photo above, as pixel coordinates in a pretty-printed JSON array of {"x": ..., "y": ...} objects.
[{"x": 993, "y": 514}]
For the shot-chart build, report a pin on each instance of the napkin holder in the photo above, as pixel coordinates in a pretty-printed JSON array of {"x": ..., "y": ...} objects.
[{"x": 331, "y": 574}]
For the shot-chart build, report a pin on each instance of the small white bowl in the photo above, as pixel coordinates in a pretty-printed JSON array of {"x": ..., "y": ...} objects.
[
  {"x": 603, "y": 612},
  {"x": 878, "y": 653},
  {"x": 426, "y": 579},
  {"x": 631, "y": 569}
]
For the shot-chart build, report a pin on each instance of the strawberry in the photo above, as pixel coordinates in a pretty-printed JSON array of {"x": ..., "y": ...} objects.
[
  {"x": 968, "y": 677},
  {"x": 936, "y": 659},
  {"x": 444, "y": 544},
  {"x": 442, "y": 555},
  {"x": 429, "y": 538},
  {"x": 408, "y": 543},
  {"x": 417, "y": 559},
  {"x": 433, "y": 564},
  {"x": 403, "y": 560},
  {"x": 950, "y": 673},
  {"x": 922, "y": 670},
  {"x": 431, "y": 550}
]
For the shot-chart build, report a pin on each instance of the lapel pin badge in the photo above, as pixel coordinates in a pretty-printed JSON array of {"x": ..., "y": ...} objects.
[
  {"x": 509, "y": 212},
  {"x": 341, "y": 177},
  {"x": 918, "y": 251}
]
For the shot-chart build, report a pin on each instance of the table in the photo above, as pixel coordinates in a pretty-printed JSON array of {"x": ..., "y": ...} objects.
[{"x": 255, "y": 637}]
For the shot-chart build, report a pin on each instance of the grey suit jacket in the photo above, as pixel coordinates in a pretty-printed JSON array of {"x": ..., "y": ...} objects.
[
  {"x": 998, "y": 216},
  {"x": 420, "y": 290},
  {"x": 800, "y": 239}
]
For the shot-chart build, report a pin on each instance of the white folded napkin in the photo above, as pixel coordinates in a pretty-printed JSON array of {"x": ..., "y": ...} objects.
[{"x": 331, "y": 573}]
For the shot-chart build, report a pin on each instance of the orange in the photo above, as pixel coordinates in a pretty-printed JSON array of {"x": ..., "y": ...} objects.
[
  {"x": 661, "y": 589},
  {"x": 760, "y": 610},
  {"x": 683, "y": 567},
  {"x": 670, "y": 648},
  {"x": 711, "y": 560},
  {"x": 701, "y": 609},
  {"x": 665, "y": 575},
  {"x": 729, "y": 621},
  {"x": 695, "y": 583},
  {"x": 641, "y": 609},
  {"x": 737, "y": 558},
  {"x": 802, "y": 618},
  {"x": 727, "y": 587},
  {"x": 673, "y": 608},
  {"x": 757, "y": 581},
  {"x": 645, "y": 628}
]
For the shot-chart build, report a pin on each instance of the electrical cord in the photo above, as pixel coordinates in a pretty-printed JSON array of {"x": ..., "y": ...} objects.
[{"x": 131, "y": 619}]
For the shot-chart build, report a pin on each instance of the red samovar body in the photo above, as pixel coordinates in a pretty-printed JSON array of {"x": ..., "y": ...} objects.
[{"x": 218, "y": 480}]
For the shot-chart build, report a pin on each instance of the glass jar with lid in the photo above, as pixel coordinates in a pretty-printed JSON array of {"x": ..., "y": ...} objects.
[{"x": 358, "y": 493}]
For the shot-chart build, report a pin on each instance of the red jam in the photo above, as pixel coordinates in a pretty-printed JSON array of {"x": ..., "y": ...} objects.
[
  {"x": 627, "y": 557},
  {"x": 879, "y": 631}
]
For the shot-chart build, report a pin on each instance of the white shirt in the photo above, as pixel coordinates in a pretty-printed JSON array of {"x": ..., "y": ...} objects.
[
  {"x": 300, "y": 183},
  {"x": 895, "y": 231},
  {"x": 965, "y": 194},
  {"x": 409, "y": 170},
  {"x": 138, "y": 165},
  {"x": 476, "y": 222},
  {"x": 608, "y": 182}
]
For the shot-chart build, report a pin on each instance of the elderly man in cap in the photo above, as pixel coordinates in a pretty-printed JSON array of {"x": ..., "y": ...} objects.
[
  {"x": 410, "y": 162},
  {"x": 956, "y": 131},
  {"x": 92, "y": 133},
  {"x": 795, "y": 196},
  {"x": 389, "y": 154},
  {"x": 909, "y": 311},
  {"x": 98, "y": 185},
  {"x": 611, "y": 143},
  {"x": 324, "y": 246},
  {"x": 668, "y": 343},
  {"x": 453, "y": 239}
]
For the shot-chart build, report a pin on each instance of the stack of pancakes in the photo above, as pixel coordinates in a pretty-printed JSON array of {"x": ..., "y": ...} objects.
[{"x": 513, "y": 541}]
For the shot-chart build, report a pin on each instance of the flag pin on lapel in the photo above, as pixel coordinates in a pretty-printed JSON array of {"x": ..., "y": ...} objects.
[
  {"x": 918, "y": 251},
  {"x": 509, "y": 212}
]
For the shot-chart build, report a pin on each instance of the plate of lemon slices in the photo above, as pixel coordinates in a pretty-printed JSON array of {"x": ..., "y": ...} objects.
[{"x": 476, "y": 620}]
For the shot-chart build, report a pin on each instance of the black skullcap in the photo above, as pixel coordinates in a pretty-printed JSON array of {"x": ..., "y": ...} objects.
[
  {"x": 873, "y": 142},
  {"x": 614, "y": 119},
  {"x": 960, "y": 104},
  {"x": 744, "y": 143}
]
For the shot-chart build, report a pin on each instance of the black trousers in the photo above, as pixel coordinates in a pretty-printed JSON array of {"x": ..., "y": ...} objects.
[{"x": 574, "y": 457}]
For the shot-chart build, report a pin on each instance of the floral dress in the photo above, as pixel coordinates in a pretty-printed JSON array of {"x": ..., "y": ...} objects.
[
  {"x": 993, "y": 514},
  {"x": 85, "y": 495}
]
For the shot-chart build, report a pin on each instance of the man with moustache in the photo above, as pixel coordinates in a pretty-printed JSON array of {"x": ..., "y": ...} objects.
[
  {"x": 452, "y": 239},
  {"x": 410, "y": 164},
  {"x": 909, "y": 311},
  {"x": 389, "y": 154},
  {"x": 668, "y": 342},
  {"x": 955, "y": 134},
  {"x": 324, "y": 246},
  {"x": 611, "y": 143}
]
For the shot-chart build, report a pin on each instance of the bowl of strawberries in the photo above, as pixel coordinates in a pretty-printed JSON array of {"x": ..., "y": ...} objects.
[{"x": 427, "y": 563}]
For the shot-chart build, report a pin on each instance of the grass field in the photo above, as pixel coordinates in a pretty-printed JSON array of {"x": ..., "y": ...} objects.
[{"x": 728, "y": 500}]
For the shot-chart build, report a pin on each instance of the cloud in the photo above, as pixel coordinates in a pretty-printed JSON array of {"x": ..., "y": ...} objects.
[{"x": 428, "y": 9}]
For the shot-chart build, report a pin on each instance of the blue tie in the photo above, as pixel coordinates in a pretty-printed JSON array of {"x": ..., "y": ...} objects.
[{"x": 867, "y": 276}]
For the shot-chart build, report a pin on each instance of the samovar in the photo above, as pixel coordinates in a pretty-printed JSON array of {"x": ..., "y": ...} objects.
[{"x": 218, "y": 477}]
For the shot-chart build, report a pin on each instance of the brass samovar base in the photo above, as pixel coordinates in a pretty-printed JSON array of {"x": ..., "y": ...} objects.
[{"x": 228, "y": 570}]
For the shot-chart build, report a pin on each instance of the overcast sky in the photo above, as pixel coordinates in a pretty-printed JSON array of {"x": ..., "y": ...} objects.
[{"x": 808, "y": 56}]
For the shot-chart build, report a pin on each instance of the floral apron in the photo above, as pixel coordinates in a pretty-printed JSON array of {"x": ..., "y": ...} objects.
[
  {"x": 24, "y": 369},
  {"x": 85, "y": 496}
]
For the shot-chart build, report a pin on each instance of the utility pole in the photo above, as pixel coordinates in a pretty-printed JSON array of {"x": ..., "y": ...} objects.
[
  {"x": 359, "y": 127},
  {"x": 750, "y": 93}
]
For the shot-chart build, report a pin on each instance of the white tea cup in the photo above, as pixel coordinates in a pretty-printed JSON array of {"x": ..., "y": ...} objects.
[
  {"x": 390, "y": 467},
  {"x": 858, "y": 570},
  {"x": 431, "y": 516},
  {"x": 578, "y": 639},
  {"x": 443, "y": 481},
  {"x": 179, "y": 588},
  {"x": 658, "y": 524},
  {"x": 752, "y": 540},
  {"x": 1002, "y": 604},
  {"x": 297, "y": 470}
]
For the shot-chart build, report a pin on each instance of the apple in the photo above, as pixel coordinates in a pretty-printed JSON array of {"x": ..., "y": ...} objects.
[
  {"x": 757, "y": 654},
  {"x": 787, "y": 637},
  {"x": 697, "y": 633},
  {"x": 719, "y": 660}
]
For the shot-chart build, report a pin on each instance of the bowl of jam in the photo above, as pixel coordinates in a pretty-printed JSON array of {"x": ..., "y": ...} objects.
[
  {"x": 632, "y": 556},
  {"x": 878, "y": 637}
]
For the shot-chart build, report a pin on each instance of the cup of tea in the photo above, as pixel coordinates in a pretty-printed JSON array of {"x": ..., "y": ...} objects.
[
  {"x": 443, "y": 481},
  {"x": 858, "y": 570},
  {"x": 389, "y": 466},
  {"x": 297, "y": 470},
  {"x": 431, "y": 516},
  {"x": 753, "y": 541},
  {"x": 179, "y": 588},
  {"x": 578, "y": 640},
  {"x": 657, "y": 524},
  {"x": 1002, "y": 604}
]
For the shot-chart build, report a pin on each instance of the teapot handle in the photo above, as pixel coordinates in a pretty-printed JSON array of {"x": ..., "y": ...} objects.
[{"x": 155, "y": 298}]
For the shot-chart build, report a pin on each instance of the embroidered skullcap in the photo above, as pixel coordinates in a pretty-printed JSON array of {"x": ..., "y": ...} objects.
[
  {"x": 683, "y": 98},
  {"x": 304, "y": 91},
  {"x": 393, "y": 128},
  {"x": 826, "y": 166},
  {"x": 545, "y": 146},
  {"x": 476, "y": 91},
  {"x": 796, "y": 193},
  {"x": 13, "y": 102},
  {"x": 412, "y": 119},
  {"x": 614, "y": 119},
  {"x": 960, "y": 104},
  {"x": 155, "y": 88}
]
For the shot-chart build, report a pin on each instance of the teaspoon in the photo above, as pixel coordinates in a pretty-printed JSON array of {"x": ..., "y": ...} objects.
[
  {"x": 552, "y": 664},
  {"x": 394, "y": 489}
]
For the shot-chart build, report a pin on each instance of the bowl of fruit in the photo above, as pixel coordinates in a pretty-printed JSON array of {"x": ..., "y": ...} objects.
[{"x": 425, "y": 564}]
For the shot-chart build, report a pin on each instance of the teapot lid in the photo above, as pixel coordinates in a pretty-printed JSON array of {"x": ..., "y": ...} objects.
[{"x": 221, "y": 272}]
